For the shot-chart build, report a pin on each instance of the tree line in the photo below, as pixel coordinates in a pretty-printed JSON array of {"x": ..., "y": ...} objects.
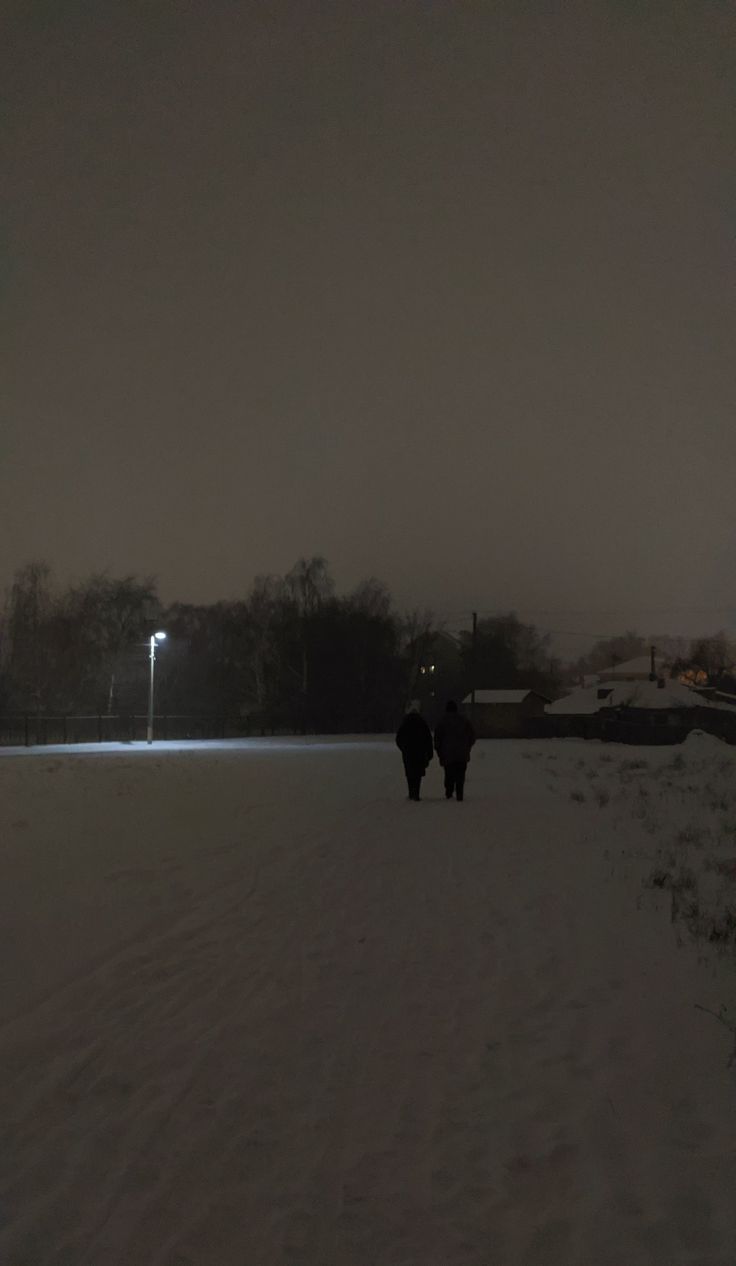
[{"x": 292, "y": 655}]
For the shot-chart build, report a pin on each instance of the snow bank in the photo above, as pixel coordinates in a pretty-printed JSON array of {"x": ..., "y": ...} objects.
[{"x": 698, "y": 741}]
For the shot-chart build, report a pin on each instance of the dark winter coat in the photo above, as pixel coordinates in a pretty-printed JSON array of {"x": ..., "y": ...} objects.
[
  {"x": 453, "y": 739},
  {"x": 414, "y": 740}
]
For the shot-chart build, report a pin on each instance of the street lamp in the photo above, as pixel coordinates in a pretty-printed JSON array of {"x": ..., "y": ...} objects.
[{"x": 155, "y": 637}]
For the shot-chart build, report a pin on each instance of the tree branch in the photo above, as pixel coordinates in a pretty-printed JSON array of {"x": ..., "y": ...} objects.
[{"x": 718, "y": 1015}]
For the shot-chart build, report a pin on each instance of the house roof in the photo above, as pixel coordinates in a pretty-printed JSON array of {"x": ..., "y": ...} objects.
[
  {"x": 632, "y": 694},
  {"x": 502, "y": 696},
  {"x": 639, "y": 667},
  {"x": 711, "y": 692}
]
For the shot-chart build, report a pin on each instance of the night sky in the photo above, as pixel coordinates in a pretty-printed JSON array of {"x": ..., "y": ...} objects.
[{"x": 443, "y": 291}]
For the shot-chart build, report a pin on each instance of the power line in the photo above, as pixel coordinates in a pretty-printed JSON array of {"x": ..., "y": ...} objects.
[
  {"x": 561, "y": 633},
  {"x": 588, "y": 636},
  {"x": 458, "y": 613}
]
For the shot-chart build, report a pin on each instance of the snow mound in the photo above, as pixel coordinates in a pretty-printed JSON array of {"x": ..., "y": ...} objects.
[{"x": 702, "y": 741}]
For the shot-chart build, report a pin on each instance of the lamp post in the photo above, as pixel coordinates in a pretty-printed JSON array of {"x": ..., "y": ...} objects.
[{"x": 155, "y": 637}]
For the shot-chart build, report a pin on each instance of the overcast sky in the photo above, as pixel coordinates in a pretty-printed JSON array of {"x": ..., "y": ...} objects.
[{"x": 441, "y": 290}]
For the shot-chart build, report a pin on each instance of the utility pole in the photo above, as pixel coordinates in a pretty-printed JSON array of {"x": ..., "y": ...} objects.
[
  {"x": 154, "y": 638},
  {"x": 473, "y": 665},
  {"x": 652, "y": 671}
]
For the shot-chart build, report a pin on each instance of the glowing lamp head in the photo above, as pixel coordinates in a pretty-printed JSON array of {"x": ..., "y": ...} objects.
[{"x": 160, "y": 637}]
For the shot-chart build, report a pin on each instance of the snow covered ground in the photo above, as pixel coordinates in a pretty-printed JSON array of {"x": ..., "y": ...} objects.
[{"x": 260, "y": 1010}]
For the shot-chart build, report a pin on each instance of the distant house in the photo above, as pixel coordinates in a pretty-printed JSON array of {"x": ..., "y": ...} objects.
[
  {"x": 638, "y": 669},
  {"x": 504, "y": 713},
  {"x": 637, "y": 710},
  {"x": 613, "y": 693}
]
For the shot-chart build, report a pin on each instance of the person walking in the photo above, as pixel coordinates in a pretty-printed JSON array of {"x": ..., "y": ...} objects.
[
  {"x": 453, "y": 739},
  {"x": 414, "y": 741}
]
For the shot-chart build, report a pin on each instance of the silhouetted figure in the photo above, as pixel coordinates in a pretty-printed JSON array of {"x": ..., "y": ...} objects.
[
  {"x": 414, "y": 741},
  {"x": 453, "y": 739}
]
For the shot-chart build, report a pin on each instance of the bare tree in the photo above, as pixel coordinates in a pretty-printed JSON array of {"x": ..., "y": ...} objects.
[
  {"x": 261, "y": 615},
  {"x": 105, "y": 617},
  {"x": 309, "y": 585},
  {"x": 28, "y": 646},
  {"x": 710, "y": 661}
]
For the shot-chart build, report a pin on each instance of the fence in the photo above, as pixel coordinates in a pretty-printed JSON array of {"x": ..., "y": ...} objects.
[
  {"x": 639, "y": 726},
  {"x": 31, "y": 730}
]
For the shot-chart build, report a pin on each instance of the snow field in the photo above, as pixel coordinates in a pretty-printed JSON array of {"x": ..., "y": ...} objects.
[{"x": 259, "y": 1009}]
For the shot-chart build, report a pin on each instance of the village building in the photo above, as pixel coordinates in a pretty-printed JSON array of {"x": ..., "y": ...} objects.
[
  {"x": 504, "y": 713},
  {"x": 637, "y": 710}
]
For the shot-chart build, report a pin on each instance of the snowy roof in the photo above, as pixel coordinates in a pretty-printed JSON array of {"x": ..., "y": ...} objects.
[
  {"x": 632, "y": 694},
  {"x": 723, "y": 697},
  {"x": 634, "y": 668},
  {"x": 501, "y": 696}
]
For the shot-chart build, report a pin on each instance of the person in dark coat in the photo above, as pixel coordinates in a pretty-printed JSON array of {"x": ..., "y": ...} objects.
[
  {"x": 453, "y": 739},
  {"x": 414, "y": 741}
]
